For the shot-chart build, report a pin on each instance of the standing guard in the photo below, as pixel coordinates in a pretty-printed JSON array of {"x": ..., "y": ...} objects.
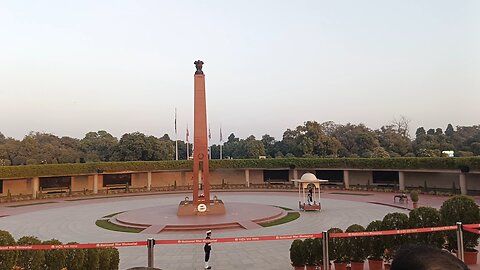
[{"x": 207, "y": 248}]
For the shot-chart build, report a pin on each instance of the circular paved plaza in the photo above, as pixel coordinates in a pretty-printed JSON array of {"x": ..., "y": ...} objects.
[{"x": 75, "y": 221}]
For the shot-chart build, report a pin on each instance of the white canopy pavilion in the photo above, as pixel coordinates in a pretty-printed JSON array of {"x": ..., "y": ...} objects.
[{"x": 309, "y": 192}]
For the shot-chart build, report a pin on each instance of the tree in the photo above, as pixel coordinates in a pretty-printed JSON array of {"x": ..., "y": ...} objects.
[
  {"x": 30, "y": 259},
  {"x": 92, "y": 259},
  {"x": 136, "y": 146},
  {"x": 356, "y": 140},
  {"x": 269, "y": 145},
  {"x": 393, "y": 142},
  {"x": 449, "y": 131},
  {"x": 420, "y": 132},
  {"x": 403, "y": 126},
  {"x": 7, "y": 257},
  {"x": 98, "y": 146}
]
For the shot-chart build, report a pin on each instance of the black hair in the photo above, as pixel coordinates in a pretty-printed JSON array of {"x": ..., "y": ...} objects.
[{"x": 425, "y": 258}]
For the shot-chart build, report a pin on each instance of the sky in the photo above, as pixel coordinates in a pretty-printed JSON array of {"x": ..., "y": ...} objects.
[{"x": 71, "y": 67}]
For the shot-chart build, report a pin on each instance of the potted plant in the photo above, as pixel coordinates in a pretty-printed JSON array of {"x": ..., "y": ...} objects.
[
  {"x": 337, "y": 250},
  {"x": 318, "y": 251},
  {"x": 414, "y": 198},
  {"x": 426, "y": 217},
  {"x": 375, "y": 246},
  {"x": 394, "y": 221},
  {"x": 297, "y": 254},
  {"x": 310, "y": 258},
  {"x": 357, "y": 251},
  {"x": 462, "y": 209}
]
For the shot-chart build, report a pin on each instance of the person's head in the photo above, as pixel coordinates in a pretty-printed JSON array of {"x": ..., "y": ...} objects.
[
  {"x": 209, "y": 232},
  {"x": 425, "y": 258}
]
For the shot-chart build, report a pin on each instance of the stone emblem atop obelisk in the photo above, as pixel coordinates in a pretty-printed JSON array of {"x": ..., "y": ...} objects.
[{"x": 198, "y": 65}]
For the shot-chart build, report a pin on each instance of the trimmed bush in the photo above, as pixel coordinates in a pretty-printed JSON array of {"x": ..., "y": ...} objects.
[
  {"x": 357, "y": 251},
  {"x": 318, "y": 251},
  {"x": 375, "y": 244},
  {"x": 337, "y": 247},
  {"x": 75, "y": 258},
  {"x": 425, "y": 217},
  {"x": 297, "y": 253},
  {"x": 114, "y": 259},
  {"x": 7, "y": 257},
  {"x": 30, "y": 259},
  {"x": 465, "y": 210},
  {"x": 394, "y": 221},
  {"x": 414, "y": 196},
  {"x": 104, "y": 258},
  {"x": 286, "y": 163},
  {"x": 92, "y": 259},
  {"x": 54, "y": 258}
]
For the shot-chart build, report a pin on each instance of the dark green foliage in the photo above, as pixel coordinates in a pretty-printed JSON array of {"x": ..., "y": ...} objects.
[
  {"x": 297, "y": 253},
  {"x": 54, "y": 258},
  {"x": 394, "y": 221},
  {"x": 30, "y": 259},
  {"x": 425, "y": 217},
  {"x": 8, "y": 257},
  {"x": 114, "y": 259},
  {"x": 75, "y": 258},
  {"x": 337, "y": 247},
  {"x": 318, "y": 250},
  {"x": 309, "y": 251},
  {"x": 354, "y": 163},
  {"x": 357, "y": 251},
  {"x": 414, "y": 196},
  {"x": 375, "y": 244},
  {"x": 92, "y": 259},
  {"x": 104, "y": 258},
  {"x": 461, "y": 209}
]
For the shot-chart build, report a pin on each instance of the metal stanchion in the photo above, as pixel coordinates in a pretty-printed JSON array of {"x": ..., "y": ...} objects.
[
  {"x": 460, "y": 241},
  {"x": 326, "y": 260},
  {"x": 150, "y": 246}
]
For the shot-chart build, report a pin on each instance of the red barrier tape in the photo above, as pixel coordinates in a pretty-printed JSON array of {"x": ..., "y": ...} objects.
[
  {"x": 239, "y": 239},
  {"x": 67, "y": 246},
  {"x": 467, "y": 227}
]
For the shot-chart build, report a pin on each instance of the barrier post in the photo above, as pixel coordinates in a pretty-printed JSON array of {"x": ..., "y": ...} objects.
[
  {"x": 150, "y": 254},
  {"x": 326, "y": 260},
  {"x": 460, "y": 241}
]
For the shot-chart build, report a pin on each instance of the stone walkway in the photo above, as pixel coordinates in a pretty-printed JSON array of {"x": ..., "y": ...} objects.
[{"x": 75, "y": 221}]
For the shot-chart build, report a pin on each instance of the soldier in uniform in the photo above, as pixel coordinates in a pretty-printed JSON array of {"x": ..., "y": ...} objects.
[{"x": 207, "y": 248}]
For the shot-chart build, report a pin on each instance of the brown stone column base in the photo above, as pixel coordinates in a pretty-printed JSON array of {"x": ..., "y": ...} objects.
[{"x": 186, "y": 208}]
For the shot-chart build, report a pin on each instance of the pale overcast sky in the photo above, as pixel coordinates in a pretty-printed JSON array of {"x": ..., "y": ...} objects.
[{"x": 70, "y": 67}]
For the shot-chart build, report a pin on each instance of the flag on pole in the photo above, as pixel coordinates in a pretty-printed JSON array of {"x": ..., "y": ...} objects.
[
  {"x": 221, "y": 136},
  {"x": 175, "y": 121},
  {"x": 209, "y": 134},
  {"x": 187, "y": 134}
]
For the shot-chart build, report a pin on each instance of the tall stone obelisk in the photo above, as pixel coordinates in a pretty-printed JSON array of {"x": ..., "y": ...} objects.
[
  {"x": 201, "y": 203},
  {"x": 200, "y": 142}
]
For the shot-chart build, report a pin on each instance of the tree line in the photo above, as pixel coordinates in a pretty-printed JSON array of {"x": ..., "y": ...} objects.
[{"x": 310, "y": 140}]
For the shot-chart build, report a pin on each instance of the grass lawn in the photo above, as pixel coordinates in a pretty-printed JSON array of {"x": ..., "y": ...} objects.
[
  {"x": 114, "y": 214},
  {"x": 105, "y": 224},
  {"x": 291, "y": 216}
]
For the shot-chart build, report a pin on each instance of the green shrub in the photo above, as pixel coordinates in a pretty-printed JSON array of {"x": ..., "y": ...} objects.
[
  {"x": 7, "y": 257},
  {"x": 318, "y": 251},
  {"x": 297, "y": 253},
  {"x": 104, "y": 258},
  {"x": 394, "y": 221},
  {"x": 337, "y": 248},
  {"x": 114, "y": 259},
  {"x": 375, "y": 244},
  {"x": 30, "y": 259},
  {"x": 75, "y": 258},
  {"x": 92, "y": 259},
  {"x": 461, "y": 209},
  {"x": 357, "y": 251},
  {"x": 414, "y": 196},
  {"x": 309, "y": 251},
  {"x": 425, "y": 217},
  {"x": 54, "y": 258}
]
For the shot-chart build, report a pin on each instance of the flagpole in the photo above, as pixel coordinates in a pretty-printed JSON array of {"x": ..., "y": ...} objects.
[
  {"x": 176, "y": 139},
  {"x": 209, "y": 146},
  {"x": 188, "y": 145},
  {"x": 221, "y": 142}
]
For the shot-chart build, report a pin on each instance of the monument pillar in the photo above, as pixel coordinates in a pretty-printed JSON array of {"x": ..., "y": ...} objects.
[{"x": 200, "y": 142}]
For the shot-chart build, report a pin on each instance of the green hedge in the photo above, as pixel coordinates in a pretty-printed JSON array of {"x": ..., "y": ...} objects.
[{"x": 472, "y": 163}]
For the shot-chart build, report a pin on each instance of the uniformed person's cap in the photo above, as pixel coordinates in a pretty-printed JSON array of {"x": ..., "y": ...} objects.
[{"x": 209, "y": 231}]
